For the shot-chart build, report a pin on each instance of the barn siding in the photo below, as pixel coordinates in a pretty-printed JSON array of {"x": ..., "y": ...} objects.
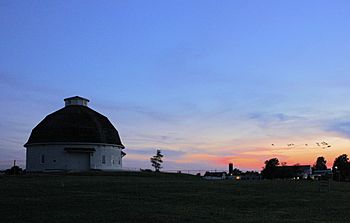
[{"x": 56, "y": 153}]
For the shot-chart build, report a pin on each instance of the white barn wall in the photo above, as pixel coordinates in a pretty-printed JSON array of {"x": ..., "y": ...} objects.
[
  {"x": 56, "y": 152},
  {"x": 52, "y": 152},
  {"x": 111, "y": 153}
]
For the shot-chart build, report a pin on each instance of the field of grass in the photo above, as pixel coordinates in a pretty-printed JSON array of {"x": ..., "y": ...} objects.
[{"x": 145, "y": 197}]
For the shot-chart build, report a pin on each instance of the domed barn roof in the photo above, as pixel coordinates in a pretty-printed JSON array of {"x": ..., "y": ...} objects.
[{"x": 75, "y": 123}]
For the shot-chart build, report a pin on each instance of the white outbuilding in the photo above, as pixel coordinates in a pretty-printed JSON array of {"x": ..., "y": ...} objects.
[{"x": 74, "y": 138}]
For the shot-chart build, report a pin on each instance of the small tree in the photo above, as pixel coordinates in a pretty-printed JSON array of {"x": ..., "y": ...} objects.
[
  {"x": 236, "y": 172},
  {"x": 15, "y": 170},
  {"x": 157, "y": 160},
  {"x": 320, "y": 163},
  {"x": 270, "y": 167},
  {"x": 341, "y": 167}
]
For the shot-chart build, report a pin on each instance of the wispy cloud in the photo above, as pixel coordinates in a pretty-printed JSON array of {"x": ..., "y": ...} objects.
[
  {"x": 339, "y": 126},
  {"x": 169, "y": 153},
  {"x": 267, "y": 119},
  {"x": 24, "y": 88}
]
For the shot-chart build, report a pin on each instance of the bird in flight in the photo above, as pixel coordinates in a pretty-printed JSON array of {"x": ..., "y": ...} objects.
[{"x": 323, "y": 145}]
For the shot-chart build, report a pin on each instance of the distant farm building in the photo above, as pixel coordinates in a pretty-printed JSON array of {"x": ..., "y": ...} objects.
[
  {"x": 215, "y": 175},
  {"x": 293, "y": 172},
  {"x": 74, "y": 138},
  {"x": 318, "y": 174},
  {"x": 250, "y": 176}
]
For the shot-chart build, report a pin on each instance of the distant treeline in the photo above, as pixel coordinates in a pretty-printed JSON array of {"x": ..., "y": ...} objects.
[{"x": 340, "y": 170}]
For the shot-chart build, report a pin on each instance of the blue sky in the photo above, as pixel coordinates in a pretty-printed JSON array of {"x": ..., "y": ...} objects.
[{"x": 202, "y": 80}]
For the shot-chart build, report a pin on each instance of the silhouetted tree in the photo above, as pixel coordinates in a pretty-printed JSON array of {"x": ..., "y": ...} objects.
[
  {"x": 15, "y": 170},
  {"x": 341, "y": 167},
  {"x": 320, "y": 163},
  {"x": 251, "y": 173},
  {"x": 157, "y": 160},
  {"x": 236, "y": 172},
  {"x": 270, "y": 167}
]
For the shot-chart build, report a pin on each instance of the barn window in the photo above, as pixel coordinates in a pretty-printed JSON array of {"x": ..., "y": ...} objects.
[
  {"x": 103, "y": 159},
  {"x": 42, "y": 160}
]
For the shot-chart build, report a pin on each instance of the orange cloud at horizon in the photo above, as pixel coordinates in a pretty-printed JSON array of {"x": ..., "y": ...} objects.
[
  {"x": 254, "y": 158},
  {"x": 250, "y": 154}
]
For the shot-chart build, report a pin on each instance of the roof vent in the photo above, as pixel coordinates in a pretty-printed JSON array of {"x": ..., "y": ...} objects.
[{"x": 76, "y": 100}]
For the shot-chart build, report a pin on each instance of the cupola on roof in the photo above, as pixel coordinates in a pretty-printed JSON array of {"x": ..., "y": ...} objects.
[
  {"x": 75, "y": 123},
  {"x": 76, "y": 100}
]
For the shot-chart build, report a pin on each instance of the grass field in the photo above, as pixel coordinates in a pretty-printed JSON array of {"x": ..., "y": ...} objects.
[{"x": 144, "y": 197}]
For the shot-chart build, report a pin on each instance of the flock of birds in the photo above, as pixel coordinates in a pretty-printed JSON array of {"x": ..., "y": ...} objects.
[{"x": 323, "y": 145}]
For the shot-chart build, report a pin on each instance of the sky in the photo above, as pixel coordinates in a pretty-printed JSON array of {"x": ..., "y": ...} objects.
[{"x": 207, "y": 82}]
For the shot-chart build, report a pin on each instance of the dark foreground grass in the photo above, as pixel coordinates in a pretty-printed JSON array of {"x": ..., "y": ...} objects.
[{"x": 167, "y": 198}]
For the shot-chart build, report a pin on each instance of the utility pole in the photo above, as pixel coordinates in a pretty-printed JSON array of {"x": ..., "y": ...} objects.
[
  {"x": 14, "y": 169},
  {"x": 337, "y": 170}
]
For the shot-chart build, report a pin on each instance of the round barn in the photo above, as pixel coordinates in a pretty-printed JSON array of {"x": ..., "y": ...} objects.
[{"x": 74, "y": 138}]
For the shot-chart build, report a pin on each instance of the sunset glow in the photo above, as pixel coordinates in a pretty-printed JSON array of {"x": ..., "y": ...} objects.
[{"x": 207, "y": 82}]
